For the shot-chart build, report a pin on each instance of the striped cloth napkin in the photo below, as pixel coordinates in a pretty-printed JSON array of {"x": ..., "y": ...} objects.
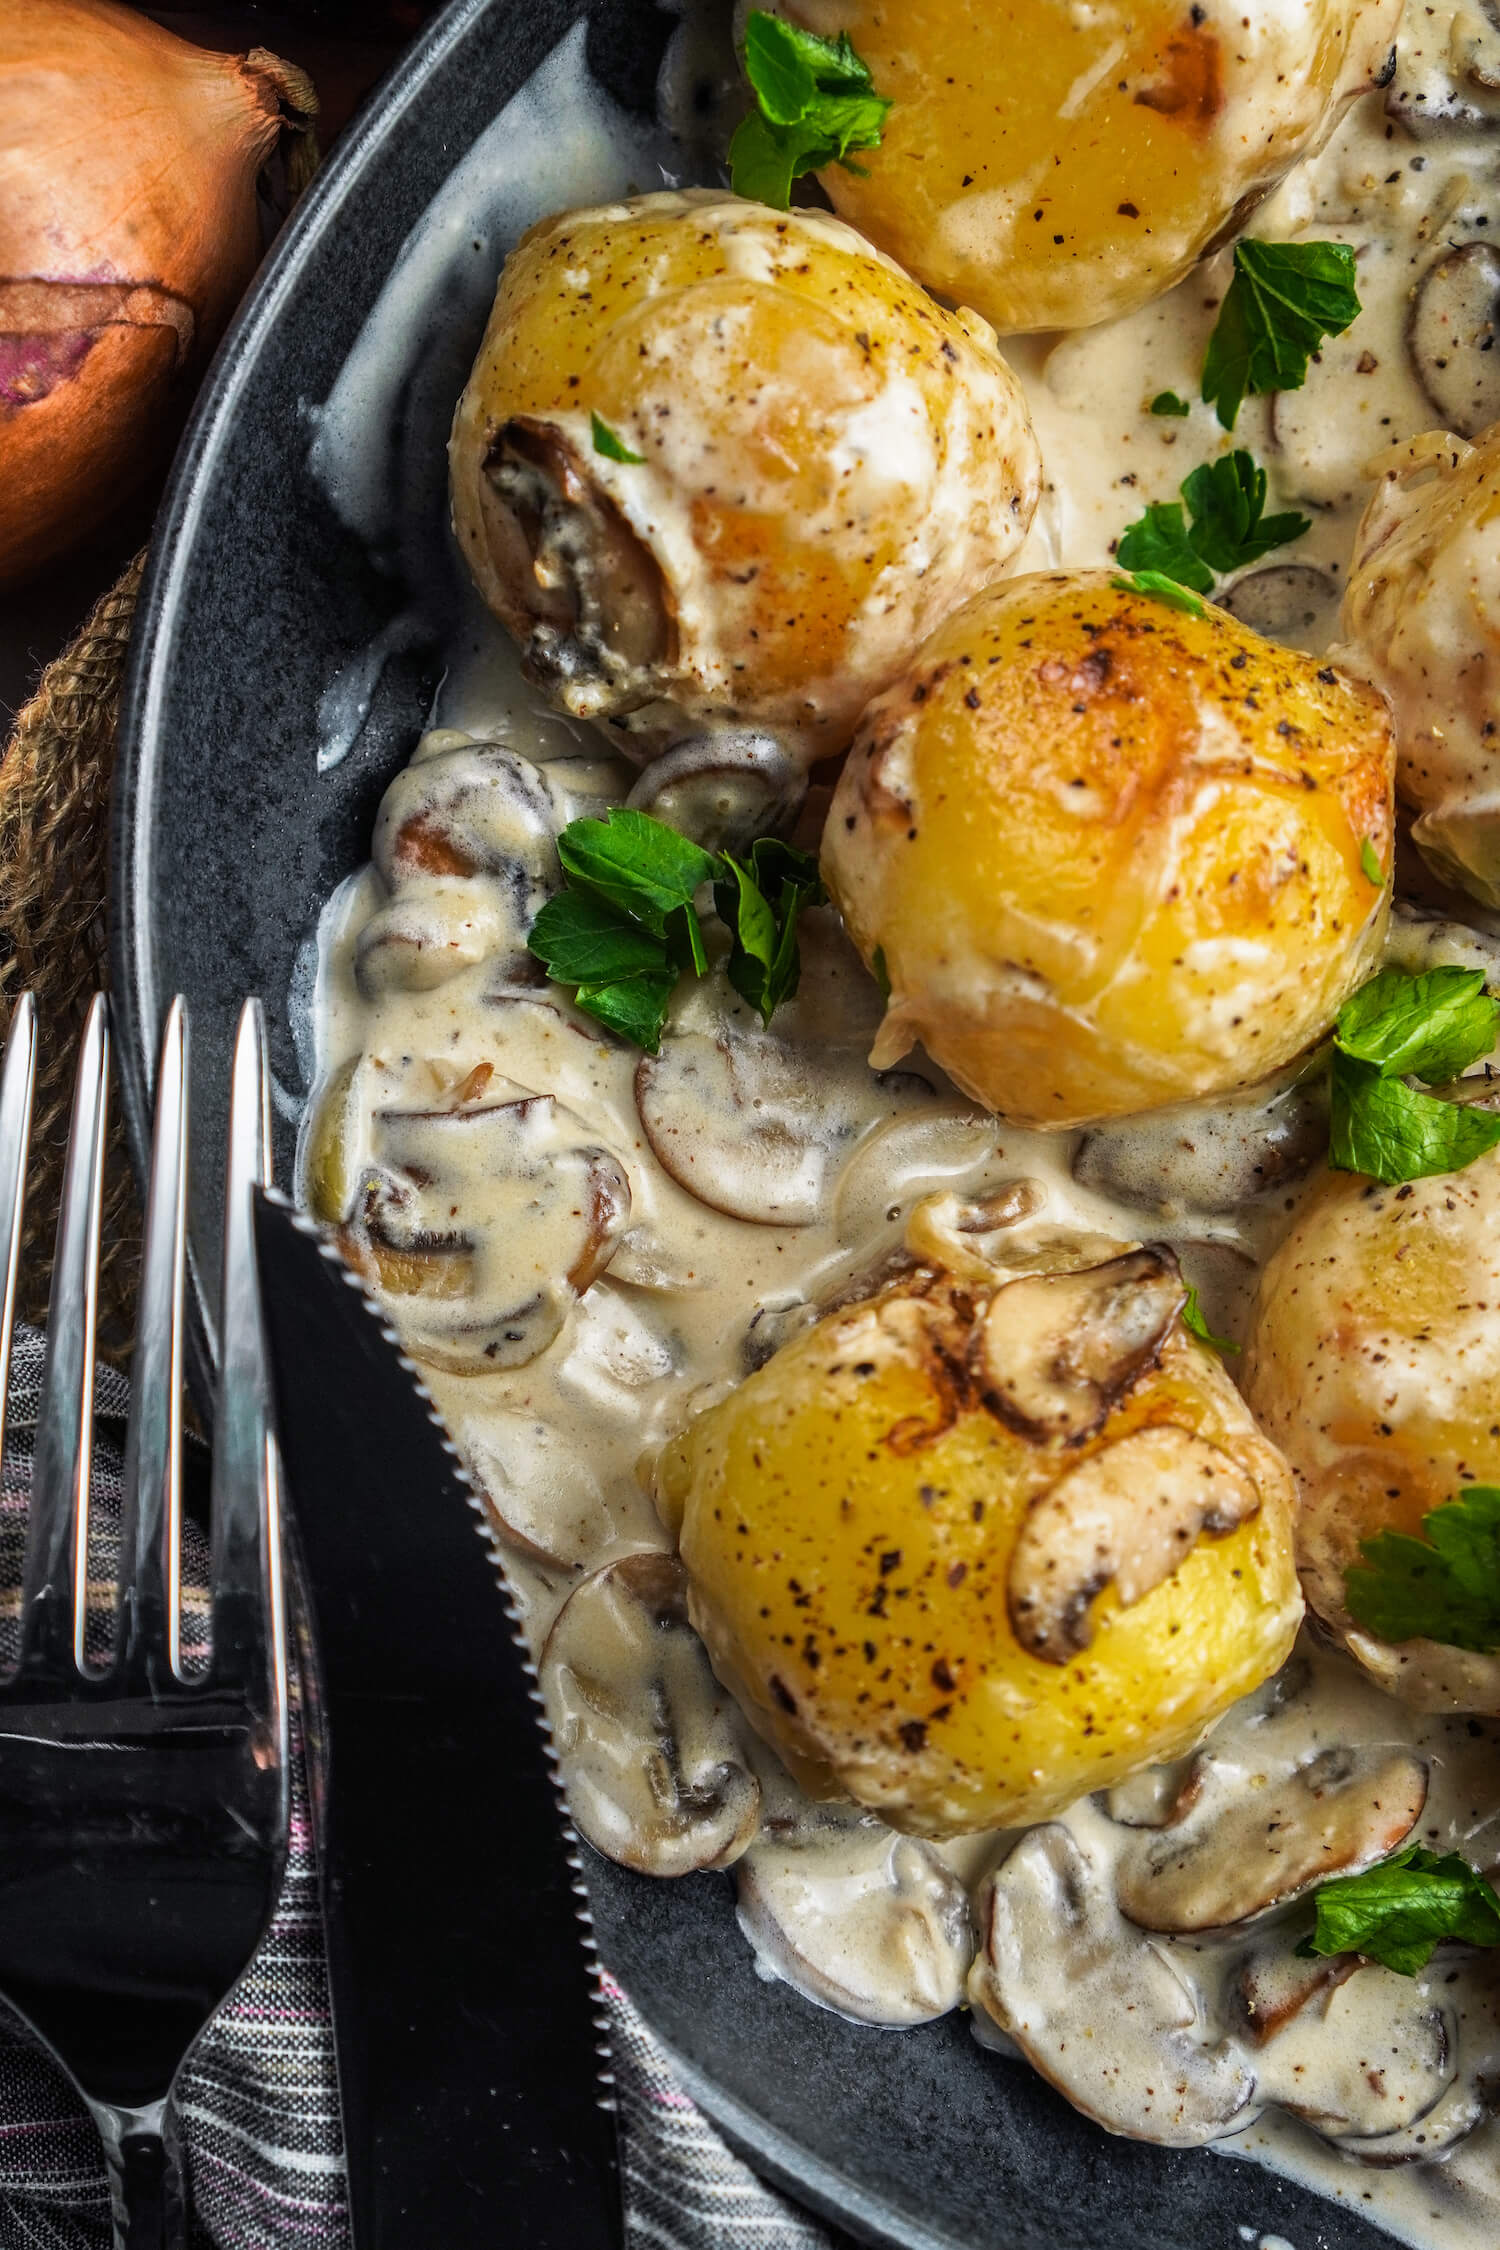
[{"x": 259, "y": 2099}]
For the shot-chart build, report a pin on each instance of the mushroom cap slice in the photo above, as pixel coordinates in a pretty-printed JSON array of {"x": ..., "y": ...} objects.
[
  {"x": 730, "y": 1117},
  {"x": 1127, "y": 1516},
  {"x": 1288, "y": 602},
  {"x": 542, "y": 1209},
  {"x": 651, "y": 1745},
  {"x": 1211, "y": 1156},
  {"x": 1365, "y": 2055},
  {"x": 1235, "y": 1855},
  {"x": 1058, "y": 1351},
  {"x": 434, "y": 929},
  {"x": 1451, "y": 337},
  {"x": 540, "y": 1489},
  {"x": 858, "y": 1918},
  {"x": 1056, "y": 1963},
  {"x": 723, "y": 788}
]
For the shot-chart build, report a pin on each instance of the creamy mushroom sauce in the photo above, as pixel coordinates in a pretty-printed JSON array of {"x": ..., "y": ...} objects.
[{"x": 583, "y": 1248}]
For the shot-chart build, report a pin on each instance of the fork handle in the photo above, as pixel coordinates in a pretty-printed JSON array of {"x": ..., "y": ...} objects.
[{"x": 144, "y": 2157}]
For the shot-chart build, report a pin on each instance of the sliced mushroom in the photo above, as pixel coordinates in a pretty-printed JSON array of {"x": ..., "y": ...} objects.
[
  {"x": 1058, "y": 1351},
  {"x": 652, "y": 1747},
  {"x": 541, "y": 1212},
  {"x": 432, "y": 931},
  {"x": 1473, "y": 2096},
  {"x": 581, "y": 592},
  {"x": 866, "y": 1922},
  {"x": 971, "y": 1236},
  {"x": 1359, "y": 2055},
  {"x": 541, "y": 1490},
  {"x": 1127, "y": 1516},
  {"x": 476, "y": 809},
  {"x": 1158, "y": 1796},
  {"x": 1429, "y": 1675},
  {"x": 1210, "y": 1156},
  {"x": 1056, "y": 1963},
  {"x": 729, "y": 1117},
  {"x": 1238, "y": 1853},
  {"x": 908, "y": 1159},
  {"x": 1288, "y": 602},
  {"x": 723, "y": 789},
  {"x": 1274, "y": 1986},
  {"x": 1452, "y": 335}
]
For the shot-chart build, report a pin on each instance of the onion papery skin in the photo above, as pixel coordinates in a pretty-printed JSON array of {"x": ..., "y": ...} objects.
[{"x": 128, "y": 232}]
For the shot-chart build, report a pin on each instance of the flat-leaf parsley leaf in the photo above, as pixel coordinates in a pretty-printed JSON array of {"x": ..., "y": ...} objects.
[
  {"x": 1399, "y": 1912},
  {"x": 1225, "y": 527},
  {"x": 1285, "y": 298},
  {"x": 816, "y": 104},
  {"x": 1444, "y": 1586},
  {"x": 610, "y": 443},
  {"x": 1399, "y": 1026}
]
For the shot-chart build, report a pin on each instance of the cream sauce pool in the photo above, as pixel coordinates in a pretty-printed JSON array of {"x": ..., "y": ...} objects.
[{"x": 583, "y": 1248}]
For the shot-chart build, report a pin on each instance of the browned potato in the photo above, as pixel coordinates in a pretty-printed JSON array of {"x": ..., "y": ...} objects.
[
  {"x": 821, "y": 464},
  {"x": 1423, "y": 612},
  {"x": 1055, "y": 166},
  {"x": 1108, "y": 855},
  {"x": 1374, "y": 1362},
  {"x": 966, "y": 1551}
]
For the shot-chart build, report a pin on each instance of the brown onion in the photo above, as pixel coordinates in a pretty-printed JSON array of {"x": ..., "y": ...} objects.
[{"x": 128, "y": 231}]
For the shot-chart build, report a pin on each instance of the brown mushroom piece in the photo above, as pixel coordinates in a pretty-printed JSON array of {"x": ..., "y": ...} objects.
[
  {"x": 1211, "y": 1156},
  {"x": 974, "y": 1236},
  {"x": 1056, "y": 1961},
  {"x": 1451, "y": 337},
  {"x": 1126, "y": 1517},
  {"x": 723, "y": 789},
  {"x": 1059, "y": 1350},
  {"x": 1233, "y": 1854},
  {"x": 858, "y": 1918},
  {"x": 652, "y": 1748},
  {"x": 1290, "y": 602},
  {"x": 1355, "y": 2051},
  {"x": 477, "y": 809},
  {"x": 908, "y": 1159},
  {"x": 539, "y": 1489},
  {"x": 729, "y": 1117},
  {"x": 432, "y": 930},
  {"x": 542, "y": 1211},
  {"x": 1472, "y": 2096}
]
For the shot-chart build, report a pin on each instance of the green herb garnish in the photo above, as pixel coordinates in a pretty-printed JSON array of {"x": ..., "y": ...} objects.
[
  {"x": 1398, "y": 1027},
  {"x": 1195, "y": 1324},
  {"x": 817, "y": 104},
  {"x": 1285, "y": 298},
  {"x": 626, "y": 927},
  {"x": 612, "y": 446},
  {"x": 1228, "y": 528},
  {"x": 881, "y": 972},
  {"x": 1168, "y": 405},
  {"x": 1160, "y": 588},
  {"x": 1399, "y": 1912},
  {"x": 1444, "y": 1586},
  {"x": 1369, "y": 860}
]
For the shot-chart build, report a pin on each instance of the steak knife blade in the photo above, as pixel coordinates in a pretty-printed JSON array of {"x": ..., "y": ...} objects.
[{"x": 465, "y": 2005}]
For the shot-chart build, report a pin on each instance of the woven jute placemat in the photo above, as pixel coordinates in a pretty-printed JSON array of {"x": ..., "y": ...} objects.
[{"x": 55, "y": 781}]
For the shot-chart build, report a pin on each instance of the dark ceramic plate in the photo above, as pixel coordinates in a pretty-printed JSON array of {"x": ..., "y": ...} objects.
[{"x": 228, "y": 841}]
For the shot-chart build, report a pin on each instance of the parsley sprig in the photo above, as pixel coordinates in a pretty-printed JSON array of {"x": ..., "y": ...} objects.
[
  {"x": 626, "y": 926},
  {"x": 1224, "y": 529},
  {"x": 1285, "y": 298},
  {"x": 1444, "y": 1586},
  {"x": 1196, "y": 1325},
  {"x": 816, "y": 105},
  {"x": 1399, "y": 1912},
  {"x": 1428, "y": 1027}
]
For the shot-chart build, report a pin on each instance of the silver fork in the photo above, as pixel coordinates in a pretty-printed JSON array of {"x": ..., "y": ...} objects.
[{"x": 143, "y": 1812}]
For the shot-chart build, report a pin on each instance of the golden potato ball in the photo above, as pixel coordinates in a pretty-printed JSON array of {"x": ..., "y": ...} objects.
[
  {"x": 1056, "y": 165},
  {"x": 1422, "y": 611},
  {"x": 857, "y": 1517},
  {"x": 828, "y": 463},
  {"x": 1374, "y": 1363},
  {"x": 1108, "y": 855}
]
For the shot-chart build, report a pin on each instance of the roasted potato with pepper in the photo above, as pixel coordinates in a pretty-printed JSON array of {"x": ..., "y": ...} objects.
[
  {"x": 1108, "y": 855},
  {"x": 719, "y": 463},
  {"x": 1054, "y": 166},
  {"x": 965, "y": 1551},
  {"x": 1422, "y": 612},
  {"x": 1374, "y": 1363}
]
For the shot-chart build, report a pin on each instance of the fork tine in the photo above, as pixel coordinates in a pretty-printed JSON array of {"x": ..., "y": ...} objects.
[
  {"x": 149, "y": 1618},
  {"x": 55, "y": 1584},
  {"x": 248, "y": 1623},
  {"x": 17, "y": 1081}
]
